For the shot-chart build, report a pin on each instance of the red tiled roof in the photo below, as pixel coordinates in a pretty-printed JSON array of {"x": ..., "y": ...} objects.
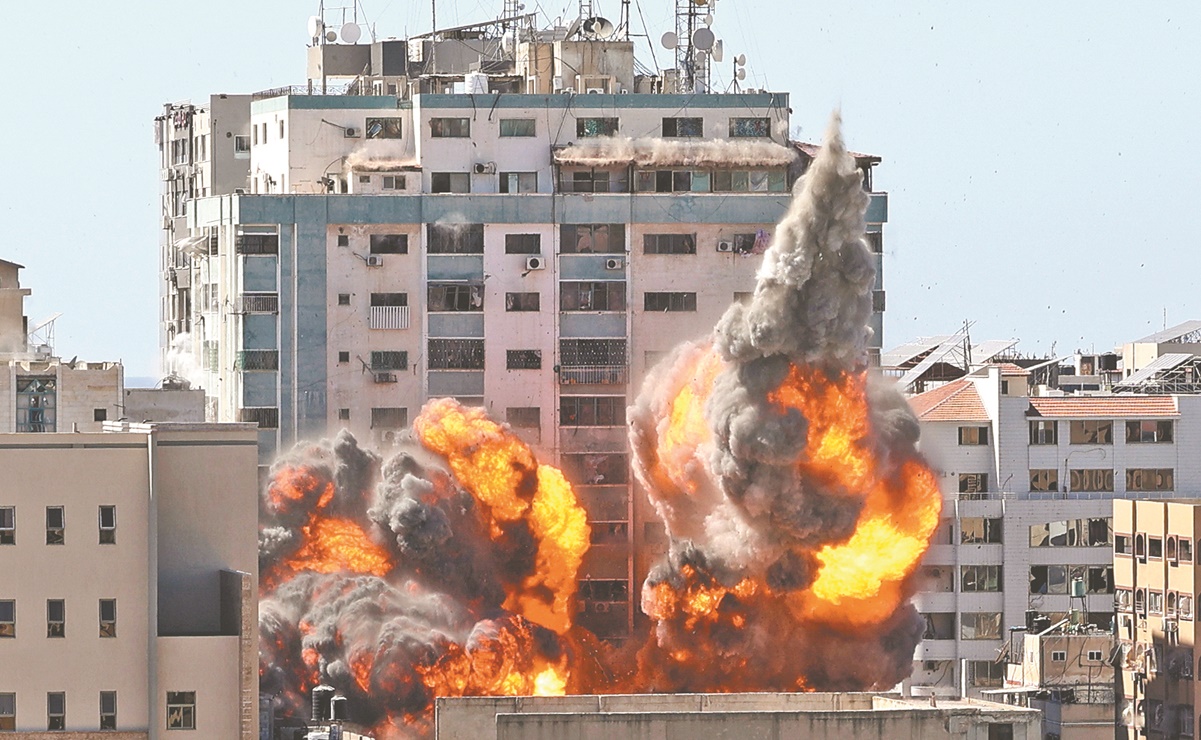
[
  {"x": 1109, "y": 407},
  {"x": 1008, "y": 368},
  {"x": 956, "y": 401}
]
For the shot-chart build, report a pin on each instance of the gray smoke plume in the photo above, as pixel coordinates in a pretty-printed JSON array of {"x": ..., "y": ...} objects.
[{"x": 745, "y": 505}]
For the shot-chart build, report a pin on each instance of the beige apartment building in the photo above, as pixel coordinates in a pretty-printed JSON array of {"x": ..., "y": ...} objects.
[
  {"x": 128, "y": 582},
  {"x": 1155, "y": 565}
]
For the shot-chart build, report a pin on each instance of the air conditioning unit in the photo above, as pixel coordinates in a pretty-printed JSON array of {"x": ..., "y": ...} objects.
[
  {"x": 930, "y": 665},
  {"x": 374, "y": 260},
  {"x": 556, "y": 83},
  {"x": 351, "y": 132},
  {"x": 385, "y": 377},
  {"x": 485, "y": 168},
  {"x": 600, "y": 607},
  {"x": 535, "y": 263},
  {"x": 725, "y": 246},
  {"x": 613, "y": 263},
  {"x": 239, "y": 191},
  {"x": 598, "y": 90},
  {"x": 625, "y": 91}
]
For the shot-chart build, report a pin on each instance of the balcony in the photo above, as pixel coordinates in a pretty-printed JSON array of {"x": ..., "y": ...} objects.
[
  {"x": 388, "y": 317},
  {"x": 257, "y": 359},
  {"x": 260, "y": 303},
  {"x": 594, "y": 375}
]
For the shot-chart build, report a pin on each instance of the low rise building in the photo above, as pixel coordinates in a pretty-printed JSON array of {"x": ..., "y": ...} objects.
[{"x": 128, "y": 592}]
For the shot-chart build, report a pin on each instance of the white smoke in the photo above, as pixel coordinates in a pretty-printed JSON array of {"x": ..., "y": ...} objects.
[
  {"x": 181, "y": 361},
  {"x": 648, "y": 152}
]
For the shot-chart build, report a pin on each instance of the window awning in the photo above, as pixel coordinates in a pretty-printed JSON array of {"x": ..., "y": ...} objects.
[{"x": 649, "y": 152}]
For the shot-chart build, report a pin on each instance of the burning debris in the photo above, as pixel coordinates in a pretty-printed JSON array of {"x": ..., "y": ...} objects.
[{"x": 797, "y": 505}]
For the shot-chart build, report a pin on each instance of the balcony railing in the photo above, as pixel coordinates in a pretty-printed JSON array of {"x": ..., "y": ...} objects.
[
  {"x": 388, "y": 317},
  {"x": 258, "y": 359},
  {"x": 594, "y": 375},
  {"x": 260, "y": 303}
]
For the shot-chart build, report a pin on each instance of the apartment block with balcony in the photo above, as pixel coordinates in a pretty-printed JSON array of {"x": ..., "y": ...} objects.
[
  {"x": 492, "y": 234},
  {"x": 1029, "y": 483}
]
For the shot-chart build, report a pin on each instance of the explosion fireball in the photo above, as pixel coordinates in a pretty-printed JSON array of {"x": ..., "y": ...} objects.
[{"x": 786, "y": 475}]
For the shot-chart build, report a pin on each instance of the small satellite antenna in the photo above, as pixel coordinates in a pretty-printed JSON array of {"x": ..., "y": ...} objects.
[
  {"x": 598, "y": 28},
  {"x": 670, "y": 40},
  {"x": 740, "y": 74},
  {"x": 719, "y": 51},
  {"x": 740, "y": 60},
  {"x": 703, "y": 39},
  {"x": 316, "y": 27},
  {"x": 574, "y": 27},
  {"x": 331, "y": 36},
  {"x": 709, "y": 19},
  {"x": 351, "y": 33}
]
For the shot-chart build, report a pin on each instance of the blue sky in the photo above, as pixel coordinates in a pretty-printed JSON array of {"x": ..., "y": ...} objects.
[{"x": 1038, "y": 155}]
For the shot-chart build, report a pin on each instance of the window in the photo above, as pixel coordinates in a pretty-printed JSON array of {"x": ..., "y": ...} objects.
[
  {"x": 1155, "y": 602},
  {"x": 1100, "y": 579},
  {"x": 344, "y": 414},
  {"x": 1095, "y": 532},
  {"x": 980, "y": 626},
  {"x": 939, "y": 626},
  {"x": 344, "y": 299},
  {"x": 390, "y": 360},
  {"x": 589, "y": 352},
  {"x": 55, "y": 525},
  {"x": 519, "y": 182},
  {"x": 394, "y": 182},
  {"x": 610, "y": 533},
  {"x": 344, "y": 239},
  {"x": 456, "y": 354},
  {"x": 455, "y": 238},
  {"x": 585, "y": 127},
  {"x": 669, "y": 301},
  {"x": 108, "y": 710},
  {"x": 383, "y": 128},
  {"x": 281, "y": 129},
  {"x": 524, "y": 417},
  {"x": 1044, "y": 480},
  {"x": 257, "y": 244},
  {"x": 108, "y": 617},
  {"x": 750, "y": 181},
  {"x": 937, "y": 578},
  {"x": 450, "y": 128},
  {"x": 8, "y": 525},
  {"x": 343, "y": 357},
  {"x": 267, "y": 417},
  {"x": 389, "y": 418},
  {"x": 181, "y": 710},
  {"x": 1185, "y": 550},
  {"x": 1091, "y": 432},
  {"x": 8, "y": 711},
  {"x": 1155, "y": 548},
  {"x": 389, "y": 243},
  {"x": 973, "y": 435},
  {"x": 597, "y": 468},
  {"x": 37, "y": 402},
  {"x": 450, "y": 182},
  {"x": 99, "y": 414},
  {"x": 589, "y": 238},
  {"x": 1059, "y": 656},
  {"x": 523, "y": 359},
  {"x": 523, "y": 244},
  {"x": 108, "y": 525},
  {"x": 1000, "y": 730},
  {"x": 1043, "y": 432},
  {"x": 669, "y": 243},
  {"x": 56, "y": 710},
  {"x": 8, "y": 618},
  {"x": 683, "y": 127},
  {"x": 1186, "y": 606},
  {"x": 980, "y": 578},
  {"x": 521, "y": 301},
  {"x": 592, "y": 296},
  {"x": 1091, "y": 479},
  {"x": 589, "y": 181},
  {"x": 979, "y": 530},
  {"x": 673, "y": 181},
  {"x": 1149, "y": 479},
  {"x": 1121, "y": 544},
  {"x": 56, "y": 618},
  {"x": 973, "y": 484},
  {"x": 455, "y": 297},
  {"x": 517, "y": 127},
  {"x": 1140, "y": 432},
  {"x": 1048, "y": 579},
  {"x": 986, "y": 673},
  {"x": 389, "y": 299},
  {"x": 592, "y": 411},
  {"x": 749, "y": 127}
]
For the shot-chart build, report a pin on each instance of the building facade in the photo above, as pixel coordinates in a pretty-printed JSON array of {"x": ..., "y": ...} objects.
[
  {"x": 1157, "y": 586},
  {"x": 1029, "y": 484},
  {"x": 531, "y": 238},
  {"x": 128, "y": 592}
]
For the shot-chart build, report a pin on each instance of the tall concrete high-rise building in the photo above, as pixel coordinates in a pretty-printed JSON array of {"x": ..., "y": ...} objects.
[{"x": 514, "y": 217}]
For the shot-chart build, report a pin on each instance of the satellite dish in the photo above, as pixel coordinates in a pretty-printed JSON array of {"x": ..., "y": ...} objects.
[
  {"x": 331, "y": 36},
  {"x": 703, "y": 39},
  {"x": 598, "y": 27},
  {"x": 700, "y": 2},
  {"x": 316, "y": 27},
  {"x": 740, "y": 60},
  {"x": 351, "y": 33},
  {"x": 740, "y": 74},
  {"x": 574, "y": 27},
  {"x": 708, "y": 19},
  {"x": 670, "y": 40},
  {"x": 719, "y": 51}
]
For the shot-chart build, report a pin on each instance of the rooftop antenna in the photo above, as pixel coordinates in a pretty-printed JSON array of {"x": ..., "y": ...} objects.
[{"x": 694, "y": 43}]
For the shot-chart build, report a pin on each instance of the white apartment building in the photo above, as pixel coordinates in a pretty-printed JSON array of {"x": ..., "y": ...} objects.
[
  {"x": 1029, "y": 484},
  {"x": 40, "y": 392},
  {"x": 523, "y": 224},
  {"x": 128, "y": 582}
]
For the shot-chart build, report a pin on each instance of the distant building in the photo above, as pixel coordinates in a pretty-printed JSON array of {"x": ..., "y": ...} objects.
[
  {"x": 1158, "y": 579},
  {"x": 1066, "y": 672},
  {"x": 128, "y": 592},
  {"x": 819, "y": 716},
  {"x": 1153, "y": 350},
  {"x": 1029, "y": 483}
]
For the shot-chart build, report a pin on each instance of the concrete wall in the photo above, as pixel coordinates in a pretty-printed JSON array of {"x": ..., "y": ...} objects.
[{"x": 157, "y": 404}]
